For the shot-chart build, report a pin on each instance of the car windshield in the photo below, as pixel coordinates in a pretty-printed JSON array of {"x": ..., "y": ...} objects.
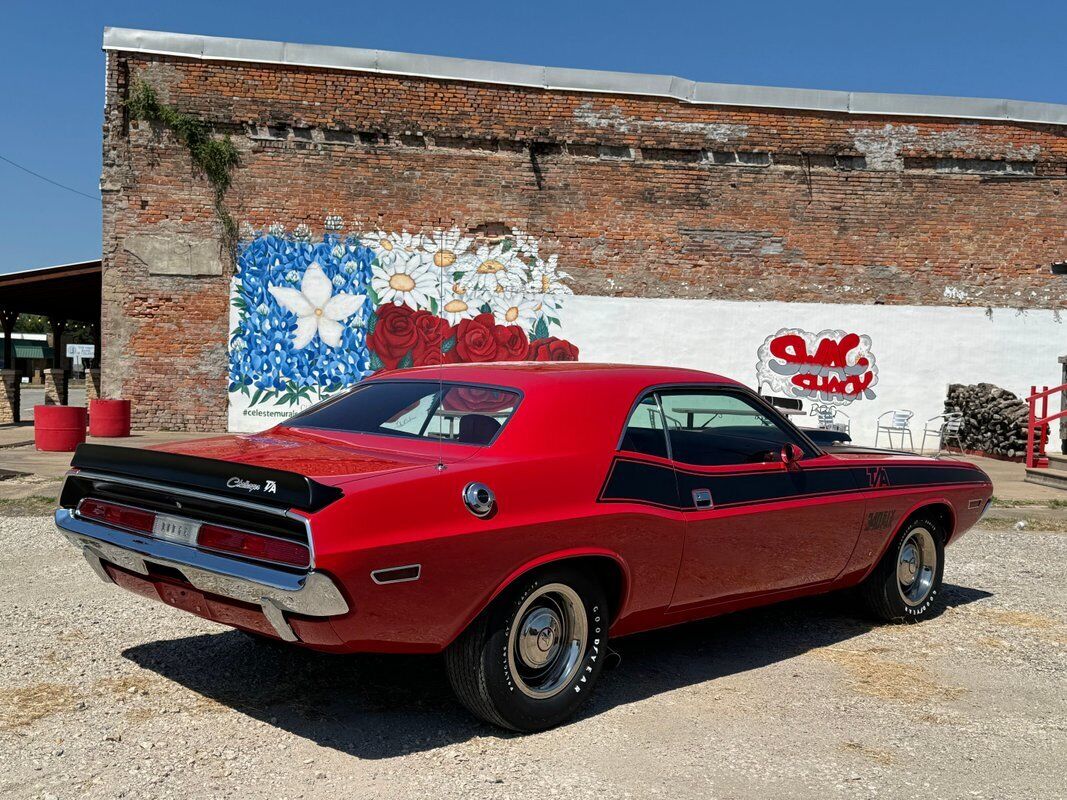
[{"x": 450, "y": 412}]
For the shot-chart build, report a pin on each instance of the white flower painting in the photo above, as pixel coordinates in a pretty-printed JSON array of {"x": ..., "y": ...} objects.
[
  {"x": 318, "y": 310},
  {"x": 407, "y": 278}
]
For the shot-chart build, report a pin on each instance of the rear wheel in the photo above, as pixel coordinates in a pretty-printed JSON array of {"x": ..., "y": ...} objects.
[
  {"x": 531, "y": 659},
  {"x": 905, "y": 584}
]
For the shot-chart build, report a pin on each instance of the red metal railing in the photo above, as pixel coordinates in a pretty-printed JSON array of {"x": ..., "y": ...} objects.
[{"x": 1037, "y": 430}]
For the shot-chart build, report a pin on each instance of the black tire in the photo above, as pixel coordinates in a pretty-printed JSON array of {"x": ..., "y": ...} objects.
[
  {"x": 886, "y": 594},
  {"x": 485, "y": 664}
]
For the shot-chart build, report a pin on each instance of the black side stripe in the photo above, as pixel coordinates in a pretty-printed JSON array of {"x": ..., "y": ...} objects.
[{"x": 633, "y": 481}]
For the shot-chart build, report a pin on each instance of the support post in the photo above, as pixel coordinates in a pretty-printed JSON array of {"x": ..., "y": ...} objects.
[
  {"x": 10, "y": 396},
  {"x": 1063, "y": 407},
  {"x": 58, "y": 326},
  {"x": 55, "y": 387},
  {"x": 92, "y": 384},
  {"x": 8, "y": 319},
  {"x": 95, "y": 328}
]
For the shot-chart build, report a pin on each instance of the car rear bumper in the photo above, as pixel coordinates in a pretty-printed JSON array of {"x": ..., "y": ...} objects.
[{"x": 276, "y": 591}]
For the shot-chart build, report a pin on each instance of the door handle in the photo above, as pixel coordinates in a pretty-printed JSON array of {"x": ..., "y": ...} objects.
[{"x": 702, "y": 498}]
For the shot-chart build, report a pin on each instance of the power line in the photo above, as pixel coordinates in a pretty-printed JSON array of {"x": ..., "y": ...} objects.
[{"x": 47, "y": 180}]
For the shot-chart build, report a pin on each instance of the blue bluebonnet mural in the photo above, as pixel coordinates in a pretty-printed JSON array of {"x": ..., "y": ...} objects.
[{"x": 268, "y": 361}]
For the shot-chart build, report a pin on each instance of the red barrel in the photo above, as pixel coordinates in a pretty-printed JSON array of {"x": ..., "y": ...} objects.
[
  {"x": 58, "y": 428},
  {"x": 109, "y": 417}
]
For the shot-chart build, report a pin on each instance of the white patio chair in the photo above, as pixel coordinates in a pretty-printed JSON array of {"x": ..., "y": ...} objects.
[
  {"x": 947, "y": 429},
  {"x": 831, "y": 418},
  {"x": 899, "y": 421}
]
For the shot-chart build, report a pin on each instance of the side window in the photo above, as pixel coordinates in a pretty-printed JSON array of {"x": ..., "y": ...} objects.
[
  {"x": 714, "y": 428},
  {"x": 644, "y": 430}
]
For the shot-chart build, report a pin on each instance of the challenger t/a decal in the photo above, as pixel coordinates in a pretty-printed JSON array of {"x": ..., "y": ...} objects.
[{"x": 249, "y": 486}]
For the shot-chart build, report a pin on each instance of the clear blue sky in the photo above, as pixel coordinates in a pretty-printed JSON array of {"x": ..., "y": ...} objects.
[{"x": 53, "y": 70}]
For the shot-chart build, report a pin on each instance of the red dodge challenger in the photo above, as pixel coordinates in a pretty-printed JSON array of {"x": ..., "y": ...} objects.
[{"x": 514, "y": 517}]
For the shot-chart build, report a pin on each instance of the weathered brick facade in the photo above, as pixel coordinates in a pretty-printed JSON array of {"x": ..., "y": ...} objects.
[{"x": 639, "y": 196}]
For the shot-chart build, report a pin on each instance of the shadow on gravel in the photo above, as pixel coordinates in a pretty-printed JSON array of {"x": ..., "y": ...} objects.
[{"x": 374, "y": 706}]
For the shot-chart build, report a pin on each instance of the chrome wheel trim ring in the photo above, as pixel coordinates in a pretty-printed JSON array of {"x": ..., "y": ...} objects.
[
  {"x": 548, "y": 638},
  {"x": 916, "y": 566}
]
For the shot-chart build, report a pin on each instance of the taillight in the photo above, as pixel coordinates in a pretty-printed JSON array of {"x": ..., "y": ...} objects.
[
  {"x": 211, "y": 537},
  {"x": 250, "y": 545},
  {"x": 120, "y": 516}
]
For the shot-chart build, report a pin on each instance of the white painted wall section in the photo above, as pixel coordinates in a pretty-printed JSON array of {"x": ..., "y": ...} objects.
[{"x": 920, "y": 350}]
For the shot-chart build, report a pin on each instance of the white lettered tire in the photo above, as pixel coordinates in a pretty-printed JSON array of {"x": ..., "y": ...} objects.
[
  {"x": 905, "y": 584},
  {"x": 533, "y": 657}
]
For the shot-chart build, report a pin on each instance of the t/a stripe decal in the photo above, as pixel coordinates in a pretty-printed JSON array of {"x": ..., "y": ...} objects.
[{"x": 633, "y": 481}]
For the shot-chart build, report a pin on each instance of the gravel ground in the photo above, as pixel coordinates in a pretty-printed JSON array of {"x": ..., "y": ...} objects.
[{"x": 104, "y": 694}]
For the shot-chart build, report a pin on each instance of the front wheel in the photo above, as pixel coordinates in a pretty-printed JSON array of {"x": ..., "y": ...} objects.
[
  {"x": 531, "y": 659},
  {"x": 904, "y": 585}
]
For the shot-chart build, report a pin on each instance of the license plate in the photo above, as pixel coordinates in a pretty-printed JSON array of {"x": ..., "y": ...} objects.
[{"x": 175, "y": 529}]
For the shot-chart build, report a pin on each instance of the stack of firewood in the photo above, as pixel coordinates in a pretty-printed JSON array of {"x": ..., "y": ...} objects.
[{"x": 994, "y": 419}]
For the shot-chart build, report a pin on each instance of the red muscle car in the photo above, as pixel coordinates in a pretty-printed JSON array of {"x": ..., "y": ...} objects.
[{"x": 515, "y": 517}]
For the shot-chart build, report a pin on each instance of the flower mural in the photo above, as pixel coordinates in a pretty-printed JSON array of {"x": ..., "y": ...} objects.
[
  {"x": 309, "y": 319},
  {"x": 317, "y": 309}
]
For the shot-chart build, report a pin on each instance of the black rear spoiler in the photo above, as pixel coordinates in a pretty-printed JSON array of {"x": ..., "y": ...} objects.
[{"x": 273, "y": 487}]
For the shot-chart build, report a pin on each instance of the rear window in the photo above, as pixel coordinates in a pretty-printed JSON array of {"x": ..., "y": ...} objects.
[{"x": 450, "y": 412}]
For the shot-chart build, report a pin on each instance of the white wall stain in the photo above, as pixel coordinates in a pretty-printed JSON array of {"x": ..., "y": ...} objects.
[
  {"x": 955, "y": 293},
  {"x": 883, "y": 147},
  {"x": 614, "y": 119}
]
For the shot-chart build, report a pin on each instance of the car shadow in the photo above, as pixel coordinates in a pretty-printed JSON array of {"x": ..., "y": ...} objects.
[{"x": 382, "y": 706}]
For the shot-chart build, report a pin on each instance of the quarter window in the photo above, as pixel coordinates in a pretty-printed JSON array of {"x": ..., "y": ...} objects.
[
  {"x": 721, "y": 428},
  {"x": 644, "y": 430}
]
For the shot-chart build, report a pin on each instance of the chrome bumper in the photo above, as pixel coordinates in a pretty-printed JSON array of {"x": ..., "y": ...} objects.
[{"x": 275, "y": 591}]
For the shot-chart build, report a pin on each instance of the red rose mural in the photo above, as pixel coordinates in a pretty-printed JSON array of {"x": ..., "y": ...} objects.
[
  {"x": 474, "y": 340},
  {"x": 552, "y": 349},
  {"x": 394, "y": 335},
  {"x": 402, "y": 338},
  {"x": 448, "y": 299},
  {"x": 512, "y": 343}
]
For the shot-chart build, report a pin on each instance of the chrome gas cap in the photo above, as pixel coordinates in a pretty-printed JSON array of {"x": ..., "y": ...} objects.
[{"x": 479, "y": 499}]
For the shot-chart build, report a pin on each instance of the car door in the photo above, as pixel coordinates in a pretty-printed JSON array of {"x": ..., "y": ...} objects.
[{"x": 754, "y": 524}]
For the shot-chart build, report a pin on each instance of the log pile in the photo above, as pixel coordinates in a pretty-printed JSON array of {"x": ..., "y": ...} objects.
[{"x": 994, "y": 419}]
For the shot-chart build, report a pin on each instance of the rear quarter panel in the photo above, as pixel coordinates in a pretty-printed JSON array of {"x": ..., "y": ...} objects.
[{"x": 547, "y": 510}]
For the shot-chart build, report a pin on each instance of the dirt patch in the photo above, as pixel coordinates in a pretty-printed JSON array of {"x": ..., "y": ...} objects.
[
  {"x": 876, "y": 677},
  {"x": 127, "y": 684},
  {"x": 875, "y": 754},
  {"x": 27, "y": 506},
  {"x": 1019, "y": 619},
  {"x": 26, "y": 704}
]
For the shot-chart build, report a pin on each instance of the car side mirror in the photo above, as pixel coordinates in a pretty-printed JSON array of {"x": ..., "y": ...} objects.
[{"x": 791, "y": 455}]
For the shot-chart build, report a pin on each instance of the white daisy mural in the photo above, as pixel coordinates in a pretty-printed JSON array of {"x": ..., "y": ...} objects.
[
  {"x": 493, "y": 269},
  {"x": 511, "y": 308},
  {"x": 446, "y": 247},
  {"x": 547, "y": 284},
  {"x": 407, "y": 278},
  {"x": 460, "y": 304}
]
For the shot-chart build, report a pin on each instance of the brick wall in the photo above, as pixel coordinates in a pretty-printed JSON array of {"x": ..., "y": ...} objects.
[{"x": 639, "y": 197}]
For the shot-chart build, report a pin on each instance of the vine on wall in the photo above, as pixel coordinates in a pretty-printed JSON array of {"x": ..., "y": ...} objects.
[{"x": 216, "y": 158}]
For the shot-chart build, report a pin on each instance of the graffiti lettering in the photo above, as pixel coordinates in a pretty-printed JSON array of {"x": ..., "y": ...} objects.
[{"x": 831, "y": 366}]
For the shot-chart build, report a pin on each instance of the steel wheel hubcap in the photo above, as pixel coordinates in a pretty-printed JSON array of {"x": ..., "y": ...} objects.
[
  {"x": 547, "y": 640},
  {"x": 916, "y": 566}
]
